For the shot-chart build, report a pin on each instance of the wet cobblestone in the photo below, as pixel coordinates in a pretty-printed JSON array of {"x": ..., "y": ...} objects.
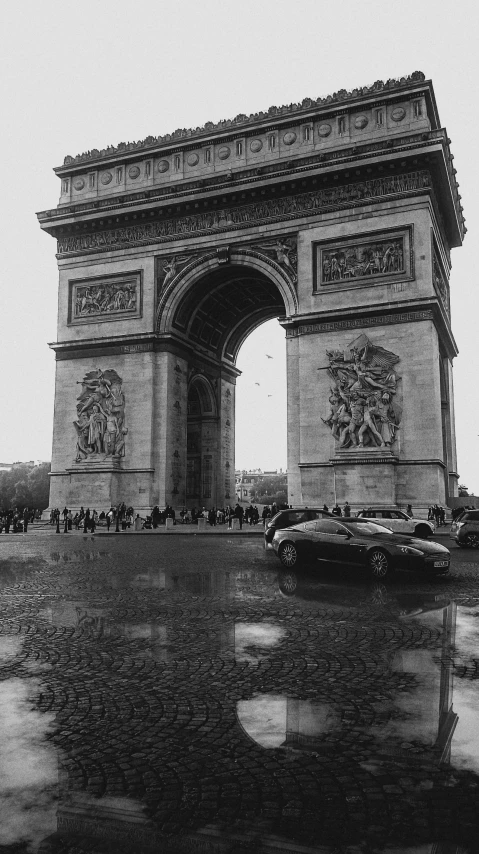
[{"x": 158, "y": 663}]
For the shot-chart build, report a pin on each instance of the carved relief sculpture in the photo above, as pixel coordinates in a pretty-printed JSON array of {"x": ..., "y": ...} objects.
[
  {"x": 285, "y": 253},
  {"x": 365, "y": 259},
  {"x": 303, "y": 204},
  {"x": 105, "y": 299},
  {"x": 362, "y": 407},
  {"x": 100, "y": 424},
  {"x": 440, "y": 281}
]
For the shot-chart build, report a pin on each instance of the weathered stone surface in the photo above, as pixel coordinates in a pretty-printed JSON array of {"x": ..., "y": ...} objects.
[{"x": 170, "y": 256}]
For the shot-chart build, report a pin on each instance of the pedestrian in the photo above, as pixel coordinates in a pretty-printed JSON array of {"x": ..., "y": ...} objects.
[
  {"x": 265, "y": 514},
  {"x": 138, "y": 522},
  {"x": 409, "y": 510},
  {"x": 347, "y": 509},
  {"x": 325, "y": 508},
  {"x": 86, "y": 520},
  {"x": 26, "y": 517},
  {"x": 239, "y": 514},
  {"x": 108, "y": 520},
  {"x": 336, "y": 511}
]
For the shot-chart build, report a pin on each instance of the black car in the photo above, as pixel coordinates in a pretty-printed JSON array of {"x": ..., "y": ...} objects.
[
  {"x": 292, "y": 516},
  {"x": 359, "y": 544}
]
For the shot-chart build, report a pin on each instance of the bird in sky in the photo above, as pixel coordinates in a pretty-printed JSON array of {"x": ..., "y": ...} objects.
[
  {"x": 270, "y": 395},
  {"x": 257, "y": 383},
  {"x": 268, "y": 357}
]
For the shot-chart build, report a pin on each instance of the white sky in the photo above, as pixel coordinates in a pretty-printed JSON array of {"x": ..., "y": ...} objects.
[{"x": 80, "y": 76}]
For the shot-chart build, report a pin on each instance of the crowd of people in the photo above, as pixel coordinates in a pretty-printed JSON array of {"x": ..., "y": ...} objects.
[
  {"x": 437, "y": 514},
  {"x": 16, "y": 521},
  {"x": 89, "y": 519}
]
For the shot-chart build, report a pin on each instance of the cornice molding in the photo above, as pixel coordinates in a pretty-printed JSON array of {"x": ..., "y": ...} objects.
[{"x": 241, "y": 123}]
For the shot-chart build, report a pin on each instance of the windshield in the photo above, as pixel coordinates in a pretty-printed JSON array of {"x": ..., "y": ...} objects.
[{"x": 371, "y": 529}]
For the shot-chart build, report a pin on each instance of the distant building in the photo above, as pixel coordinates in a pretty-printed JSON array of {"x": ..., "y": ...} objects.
[
  {"x": 30, "y": 463},
  {"x": 246, "y": 481}
]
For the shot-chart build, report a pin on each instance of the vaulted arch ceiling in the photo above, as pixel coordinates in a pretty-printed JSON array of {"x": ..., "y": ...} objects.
[{"x": 223, "y": 307}]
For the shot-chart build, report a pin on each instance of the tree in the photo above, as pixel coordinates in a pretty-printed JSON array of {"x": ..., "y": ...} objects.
[
  {"x": 271, "y": 490},
  {"x": 25, "y": 486}
]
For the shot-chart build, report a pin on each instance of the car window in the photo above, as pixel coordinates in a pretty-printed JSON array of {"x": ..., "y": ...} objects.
[
  {"x": 471, "y": 516},
  {"x": 367, "y": 528},
  {"x": 309, "y": 526},
  {"x": 369, "y": 514},
  {"x": 328, "y": 526},
  {"x": 294, "y": 517},
  {"x": 385, "y": 514},
  {"x": 396, "y": 514}
]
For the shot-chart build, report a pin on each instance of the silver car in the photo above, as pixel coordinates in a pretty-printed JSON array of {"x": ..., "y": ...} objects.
[{"x": 399, "y": 521}]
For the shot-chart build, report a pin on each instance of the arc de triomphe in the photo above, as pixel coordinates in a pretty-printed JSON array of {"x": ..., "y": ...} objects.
[{"x": 336, "y": 216}]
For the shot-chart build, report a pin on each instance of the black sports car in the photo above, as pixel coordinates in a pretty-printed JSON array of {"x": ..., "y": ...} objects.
[{"x": 359, "y": 543}]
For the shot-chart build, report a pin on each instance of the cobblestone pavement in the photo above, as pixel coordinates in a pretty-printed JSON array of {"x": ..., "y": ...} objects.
[{"x": 180, "y": 694}]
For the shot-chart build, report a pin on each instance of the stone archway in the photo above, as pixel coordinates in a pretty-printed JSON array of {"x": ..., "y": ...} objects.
[{"x": 204, "y": 315}]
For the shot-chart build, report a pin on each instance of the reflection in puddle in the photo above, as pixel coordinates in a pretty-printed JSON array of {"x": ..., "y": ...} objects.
[
  {"x": 465, "y": 750},
  {"x": 253, "y": 640},
  {"x": 74, "y": 556},
  {"x": 29, "y": 772},
  {"x": 273, "y": 720}
]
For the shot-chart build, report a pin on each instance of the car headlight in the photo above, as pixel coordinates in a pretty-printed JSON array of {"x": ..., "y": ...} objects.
[{"x": 407, "y": 550}]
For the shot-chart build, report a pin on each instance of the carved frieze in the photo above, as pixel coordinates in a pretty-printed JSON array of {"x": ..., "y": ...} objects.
[
  {"x": 227, "y": 219},
  {"x": 100, "y": 424},
  {"x": 107, "y": 298},
  {"x": 357, "y": 323},
  {"x": 363, "y": 408},
  {"x": 440, "y": 282},
  {"x": 366, "y": 259}
]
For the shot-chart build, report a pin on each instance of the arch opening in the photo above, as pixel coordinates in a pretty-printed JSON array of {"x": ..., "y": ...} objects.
[
  {"x": 211, "y": 311},
  {"x": 221, "y": 308}
]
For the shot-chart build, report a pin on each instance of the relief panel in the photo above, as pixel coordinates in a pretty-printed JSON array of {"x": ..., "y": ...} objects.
[
  {"x": 104, "y": 298},
  {"x": 364, "y": 260}
]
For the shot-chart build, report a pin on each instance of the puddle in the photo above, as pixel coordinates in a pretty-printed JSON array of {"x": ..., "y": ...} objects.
[
  {"x": 274, "y": 720},
  {"x": 252, "y": 641},
  {"x": 29, "y": 770}
]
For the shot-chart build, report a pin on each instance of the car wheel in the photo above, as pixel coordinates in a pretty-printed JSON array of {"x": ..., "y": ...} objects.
[
  {"x": 422, "y": 531},
  {"x": 288, "y": 583},
  {"x": 472, "y": 541},
  {"x": 288, "y": 554},
  {"x": 379, "y": 564}
]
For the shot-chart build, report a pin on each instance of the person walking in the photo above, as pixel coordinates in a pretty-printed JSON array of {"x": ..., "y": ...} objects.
[
  {"x": 239, "y": 513},
  {"x": 26, "y": 517},
  {"x": 336, "y": 511},
  {"x": 86, "y": 521},
  {"x": 347, "y": 509}
]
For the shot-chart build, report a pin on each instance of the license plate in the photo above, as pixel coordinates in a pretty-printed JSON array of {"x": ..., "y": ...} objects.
[{"x": 441, "y": 563}]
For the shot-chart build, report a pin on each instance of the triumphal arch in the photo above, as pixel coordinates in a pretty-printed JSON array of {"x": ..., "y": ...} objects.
[{"x": 336, "y": 216}]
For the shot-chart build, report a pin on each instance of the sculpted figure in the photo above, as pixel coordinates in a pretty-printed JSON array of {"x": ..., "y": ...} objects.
[
  {"x": 369, "y": 425},
  {"x": 387, "y": 418},
  {"x": 364, "y": 382},
  {"x": 96, "y": 430},
  {"x": 282, "y": 249},
  {"x": 82, "y": 428},
  {"x": 100, "y": 420},
  {"x": 356, "y": 406}
]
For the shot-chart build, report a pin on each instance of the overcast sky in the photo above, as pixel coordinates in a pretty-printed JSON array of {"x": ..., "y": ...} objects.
[{"x": 77, "y": 76}]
